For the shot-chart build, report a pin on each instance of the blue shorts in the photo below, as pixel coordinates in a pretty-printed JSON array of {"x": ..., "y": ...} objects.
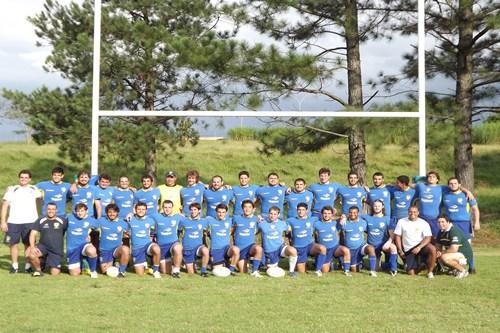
[
  {"x": 465, "y": 227},
  {"x": 190, "y": 255},
  {"x": 273, "y": 258},
  {"x": 330, "y": 254},
  {"x": 18, "y": 232},
  {"x": 74, "y": 256},
  {"x": 106, "y": 256},
  {"x": 139, "y": 254},
  {"x": 219, "y": 256},
  {"x": 357, "y": 255},
  {"x": 245, "y": 252},
  {"x": 166, "y": 251},
  {"x": 53, "y": 259},
  {"x": 378, "y": 249},
  {"x": 433, "y": 224},
  {"x": 303, "y": 253}
]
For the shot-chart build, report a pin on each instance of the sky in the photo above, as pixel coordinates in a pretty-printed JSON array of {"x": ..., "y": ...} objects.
[{"x": 21, "y": 63}]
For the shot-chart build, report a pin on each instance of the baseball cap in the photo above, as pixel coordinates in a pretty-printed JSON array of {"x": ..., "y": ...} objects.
[{"x": 171, "y": 174}]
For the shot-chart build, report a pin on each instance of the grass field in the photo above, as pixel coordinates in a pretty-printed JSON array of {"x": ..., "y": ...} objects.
[{"x": 307, "y": 304}]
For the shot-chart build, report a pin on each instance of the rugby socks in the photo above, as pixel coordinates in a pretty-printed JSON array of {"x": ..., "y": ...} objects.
[
  {"x": 203, "y": 269},
  {"x": 156, "y": 268},
  {"x": 15, "y": 265},
  {"x": 176, "y": 269},
  {"x": 373, "y": 262},
  {"x": 255, "y": 265},
  {"x": 471, "y": 264},
  {"x": 92, "y": 263},
  {"x": 393, "y": 261},
  {"x": 320, "y": 260},
  {"x": 232, "y": 268},
  {"x": 293, "y": 262},
  {"x": 27, "y": 266},
  {"x": 122, "y": 268},
  {"x": 347, "y": 266}
]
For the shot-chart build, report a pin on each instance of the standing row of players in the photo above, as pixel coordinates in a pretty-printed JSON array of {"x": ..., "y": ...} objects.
[{"x": 430, "y": 195}]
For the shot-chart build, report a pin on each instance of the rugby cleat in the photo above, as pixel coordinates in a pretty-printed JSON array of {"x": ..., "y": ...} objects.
[
  {"x": 176, "y": 275},
  {"x": 256, "y": 274},
  {"x": 13, "y": 270},
  {"x": 373, "y": 274},
  {"x": 430, "y": 275},
  {"x": 93, "y": 275},
  {"x": 394, "y": 273},
  {"x": 121, "y": 275},
  {"x": 293, "y": 275},
  {"x": 157, "y": 275},
  {"x": 37, "y": 274},
  {"x": 347, "y": 273},
  {"x": 318, "y": 273},
  {"x": 204, "y": 274},
  {"x": 462, "y": 275}
]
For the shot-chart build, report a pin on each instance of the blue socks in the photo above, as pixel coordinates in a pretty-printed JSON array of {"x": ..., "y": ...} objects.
[
  {"x": 255, "y": 264},
  {"x": 320, "y": 260},
  {"x": 393, "y": 260},
  {"x": 156, "y": 268},
  {"x": 373, "y": 262},
  {"x": 122, "y": 268},
  {"x": 92, "y": 263}
]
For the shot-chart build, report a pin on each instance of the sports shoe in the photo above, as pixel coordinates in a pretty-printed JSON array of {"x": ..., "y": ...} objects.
[
  {"x": 373, "y": 274},
  {"x": 452, "y": 272},
  {"x": 472, "y": 271},
  {"x": 93, "y": 275},
  {"x": 394, "y": 273},
  {"x": 176, "y": 275},
  {"x": 121, "y": 275},
  {"x": 37, "y": 274},
  {"x": 347, "y": 273},
  {"x": 318, "y": 273},
  {"x": 204, "y": 274},
  {"x": 13, "y": 270},
  {"x": 462, "y": 275},
  {"x": 29, "y": 270},
  {"x": 86, "y": 271},
  {"x": 157, "y": 275},
  {"x": 256, "y": 274},
  {"x": 293, "y": 275},
  {"x": 430, "y": 275}
]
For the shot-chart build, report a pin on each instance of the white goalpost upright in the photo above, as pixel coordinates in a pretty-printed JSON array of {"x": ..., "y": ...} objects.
[{"x": 97, "y": 112}]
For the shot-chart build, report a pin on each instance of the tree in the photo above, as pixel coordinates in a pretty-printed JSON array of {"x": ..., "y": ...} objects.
[
  {"x": 466, "y": 37},
  {"x": 335, "y": 22}
]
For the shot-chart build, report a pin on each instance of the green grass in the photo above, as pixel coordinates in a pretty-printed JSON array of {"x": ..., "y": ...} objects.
[{"x": 308, "y": 304}]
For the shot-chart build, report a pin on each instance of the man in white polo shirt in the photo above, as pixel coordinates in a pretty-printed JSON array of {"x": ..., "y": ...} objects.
[
  {"x": 413, "y": 240},
  {"x": 20, "y": 203}
]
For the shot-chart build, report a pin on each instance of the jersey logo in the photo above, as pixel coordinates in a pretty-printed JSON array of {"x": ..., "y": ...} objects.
[
  {"x": 86, "y": 224},
  {"x": 273, "y": 227},
  {"x": 381, "y": 225},
  {"x": 200, "y": 226},
  {"x": 330, "y": 189},
  {"x": 361, "y": 228},
  {"x": 89, "y": 195},
  {"x": 173, "y": 222},
  {"x": 308, "y": 225},
  {"x": 56, "y": 225},
  {"x": 119, "y": 229},
  {"x": 224, "y": 197},
  {"x": 63, "y": 190},
  {"x": 408, "y": 197},
  {"x": 252, "y": 224},
  {"x": 280, "y": 192},
  {"x": 147, "y": 225},
  {"x": 460, "y": 200},
  {"x": 250, "y": 192},
  {"x": 196, "y": 192},
  {"x": 226, "y": 225},
  {"x": 359, "y": 194}
]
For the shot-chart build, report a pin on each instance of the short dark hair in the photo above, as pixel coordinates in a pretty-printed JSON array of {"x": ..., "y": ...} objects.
[
  {"x": 275, "y": 209},
  {"x": 221, "y": 206},
  {"x": 57, "y": 170},
  {"x": 330, "y": 208},
  {"x": 324, "y": 170},
  {"x": 302, "y": 204},
  {"x": 143, "y": 204},
  {"x": 299, "y": 180},
  {"x": 354, "y": 208},
  {"x": 167, "y": 202},
  {"x": 24, "y": 172},
  {"x": 80, "y": 205},
  {"x": 378, "y": 173},
  {"x": 243, "y": 173},
  {"x": 273, "y": 174},
  {"x": 147, "y": 177},
  {"x": 104, "y": 176},
  {"x": 404, "y": 179},
  {"x": 195, "y": 204},
  {"x": 246, "y": 201},
  {"x": 83, "y": 172},
  {"x": 113, "y": 207}
]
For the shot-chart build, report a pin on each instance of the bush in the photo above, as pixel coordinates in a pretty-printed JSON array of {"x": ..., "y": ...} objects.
[
  {"x": 487, "y": 133},
  {"x": 242, "y": 134}
]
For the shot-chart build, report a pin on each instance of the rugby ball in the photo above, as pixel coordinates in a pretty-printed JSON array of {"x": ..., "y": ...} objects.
[
  {"x": 112, "y": 271},
  {"x": 221, "y": 271},
  {"x": 275, "y": 272}
]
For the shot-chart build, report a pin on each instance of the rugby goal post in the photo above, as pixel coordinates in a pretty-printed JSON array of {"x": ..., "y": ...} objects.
[{"x": 97, "y": 112}]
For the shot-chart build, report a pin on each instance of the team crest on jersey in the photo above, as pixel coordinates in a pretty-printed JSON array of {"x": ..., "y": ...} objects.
[
  {"x": 408, "y": 197},
  {"x": 252, "y": 224},
  {"x": 147, "y": 225},
  {"x": 381, "y": 225},
  {"x": 460, "y": 200},
  {"x": 89, "y": 195},
  {"x": 196, "y": 192},
  {"x": 330, "y": 189},
  {"x": 359, "y": 194},
  {"x": 56, "y": 225},
  {"x": 155, "y": 197},
  {"x": 63, "y": 190},
  {"x": 7, "y": 239},
  {"x": 361, "y": 228},
  {"x": 280, "y": 192},
  {"x": 427, "y": 190},
  {"x": 86, "y": 224},
  {"x": 308, "y": 199},
  {"x": 226, "y": 225},
  {"x": 273, "y": 227},
  {"x": 385, "y": 194},
  {"x": 308, "y": 225},
  {"x": 250, "y": 192},
  {"x": 200, "y": 226},
  {"x": 119, "y": 229},
  {"x": 173, "y": 222},
  {"x": 224, "y": 197}
]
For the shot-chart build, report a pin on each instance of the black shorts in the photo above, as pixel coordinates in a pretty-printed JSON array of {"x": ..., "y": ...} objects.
[
  {"x": 18, "y": 232},
  {"x": 52, "y": 259},
  {"x": 412, "y": 259}
]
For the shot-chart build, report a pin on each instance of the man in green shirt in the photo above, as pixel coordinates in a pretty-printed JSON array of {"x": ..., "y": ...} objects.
[{"x": 454, "y": 249}]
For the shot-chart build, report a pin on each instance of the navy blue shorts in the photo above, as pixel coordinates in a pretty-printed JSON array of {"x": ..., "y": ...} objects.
[
  {"x": 166, "y": 251},
  {"x": 219, "y": 256},
  {"x": 273, "y": 258},
  {"x": 411, "y": 259},
  {"x": 303, "y": 253},
  {"x": 465, "y": 227},
  {"x": 245, "y": 252},
  {"x": 330, "y": 254},
  {"x": 106, "y": 256},
  {"x": 74, "y": 256},
  {"x": 18, "y": 232},
  {"x": 139, "y": 254},
  {"x": 52, "y": 259},
  {"x": 433, "y": 224},
  {"x": 190, "y": 255},
  {"x": 357, "y": 255}
]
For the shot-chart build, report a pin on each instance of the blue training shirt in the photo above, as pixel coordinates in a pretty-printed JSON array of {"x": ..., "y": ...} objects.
[
  {"x": 220, "y": 232},
  {"x": 242, "y": 193},
  {"x": 270, "y": 196},
  {"x": 213, "y": 198},
  {"x": 430, "y": 198},
  {"x": 293, "y": 199},
  {"x": 78, "y": 230},
  {"x": 327, "y": 233},
  {"x": 166, "y": 228},
  {"x": 111, "y": 233},
  {"x": 140, "y": 231},
  {"x": 56, "y": 193},
  {"x": 402, "y": 201},
  {"x": 191, "y": 194},
  {"x": 302, "y": 230},
  {"x": 457, "y": 207},
  {"x": 354, "y": 232},
  {"x": 324, "y": 195},
  {"x": 376, "y": 229},
  {"x": 125, "y": 200},
  {"x": 351, "y": 196},
  {"x": 150, "y": 197},
  {"x": 382, "y": 194},
  {"x": 104, "y": 195},
  {"x": 84, "y": 194},
  {"x": 245, "y": 229},
  {"x": 192, "y": 232},
  {"x": 272, "y": 234}
]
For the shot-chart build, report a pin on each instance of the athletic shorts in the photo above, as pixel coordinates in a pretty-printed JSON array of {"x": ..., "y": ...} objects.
[
  {"x": 412, "y": 259},
  {"x": 273, "y": 258},
  {"x": 433, "y": 224},
  {"x": 303, "y": 253},
  {"x": 106, "y": 256},
  {"x": 378, "y": 249},
  {"x": 465, "y": 227},
  {"x": 190, "y": 255},
  {"x": 245, "y": 252},
  {"x": 219, "y": 256},
  {"x": 18, "y": 232},
  {"x": 74, "y": 256},
  {"x": 330, "y": 254},
  {"x": 357, "y": 255},
  {"x": 139, "y": 254},
  {"x": 166, "y": 251},
  {"x": 52, "y": 259}
]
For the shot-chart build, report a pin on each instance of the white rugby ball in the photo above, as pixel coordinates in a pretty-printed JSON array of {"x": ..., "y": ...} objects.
[
  {"x": 221, "y": 271},
  {"x": 275, "y": 272},
  {"x": 112, "y": 271}
]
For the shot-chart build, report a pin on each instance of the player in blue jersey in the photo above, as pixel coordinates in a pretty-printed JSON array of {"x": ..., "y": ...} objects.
[
  {"x": 402, "y": 197},
  {"x": 244, "y": 230},
  {"x": 245, "y": 191},
  {"x": 324, "y": 192},
  {"x": 352, "y": 195},
  {"x": 379, "y": 192},
  {"x": 193, "y": 192},
  {"x": 326, "y": 233},
  {"x": 123, "y": 197},
  {"x": 354, "y": 228},
  {"x": 460, "y": 210},
  {"x": 148, "y": 195},
  {"x": 216, "y": 194},
  {"x": 104, "y": 190},
  {"x": 193, "y": 234},
  {"x": 272, "y": 230},
  {"x": 298, "y": 195},
  {"x": 219, "y": 231},
  {"x": 84, "y": 193},
  {"x": 78, "y": 244},
  {"x": 271, "y": 195},
  {"x": 55, "y": 190},
  {"x": 140, "y": 230},
  {"x": 166, "y": 235},
  {"x": 111, "y": 229},
  {"x": 378, "y": 225},
  {"x": 301, "y": 236}
]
